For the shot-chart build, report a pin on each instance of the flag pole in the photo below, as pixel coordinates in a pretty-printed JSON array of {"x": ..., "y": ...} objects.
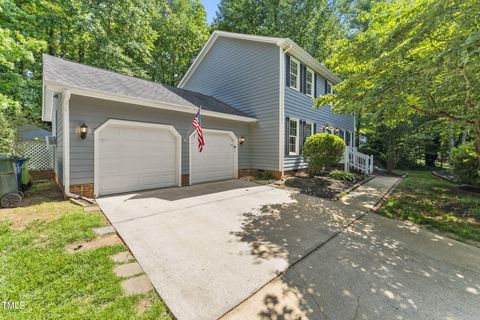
[{"x": 191, "y": 130}]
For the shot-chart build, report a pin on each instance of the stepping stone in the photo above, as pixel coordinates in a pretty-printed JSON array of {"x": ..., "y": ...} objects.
[
  {"x": 137, "y": 285},
  {"x": 122, "y": 257},
  {"x": 104, "y": 230},
  {"x": 91, "y": 208},
  {"x": 128, "y": 269}
]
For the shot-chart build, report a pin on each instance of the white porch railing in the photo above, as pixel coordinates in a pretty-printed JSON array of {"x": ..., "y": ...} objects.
[{"x": 358, "y": 161}]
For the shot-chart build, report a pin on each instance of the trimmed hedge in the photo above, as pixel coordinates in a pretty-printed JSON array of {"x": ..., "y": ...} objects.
[{"x": 323, "y": 151}]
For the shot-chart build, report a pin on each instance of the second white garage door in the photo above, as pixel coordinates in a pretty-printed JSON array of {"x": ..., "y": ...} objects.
[
  {"x": 217, "y": 161},
  {"x": 132, "y": 156}
]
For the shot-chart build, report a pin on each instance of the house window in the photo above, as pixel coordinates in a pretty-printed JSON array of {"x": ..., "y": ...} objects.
[
  {"x": 328, "y": 88},
  {"x": 310, "y": 83},
  {"x": 294, "y": 74},
  {"x": 293, "y": 137},
  {"x": 309, "y": 130}
]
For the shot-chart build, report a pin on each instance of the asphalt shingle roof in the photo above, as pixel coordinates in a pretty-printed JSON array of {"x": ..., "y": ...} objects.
[{"x": 73, "y": 74}]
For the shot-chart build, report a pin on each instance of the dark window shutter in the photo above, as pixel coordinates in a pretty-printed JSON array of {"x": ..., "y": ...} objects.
[
  {"x": 303, "y": 78},
  {"x": 315, "y": 78},
  {"x": 301, "y": 132},
  {"x": 287, "y": 131},
  {"x": 287, "y": 69},
  {"x": 314, "y": 128},
  {"x": 326, "y": 84}
]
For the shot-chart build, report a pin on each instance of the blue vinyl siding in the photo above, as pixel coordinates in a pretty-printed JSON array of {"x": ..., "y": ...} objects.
[
  {"x": 299, "y": 105},
  {"x": 245, "y": 74}
]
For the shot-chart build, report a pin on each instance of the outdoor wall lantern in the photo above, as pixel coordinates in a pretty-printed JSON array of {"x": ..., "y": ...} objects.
[
  {"x": 242, "y": 140},
  {"x": 83, "y": 131}
]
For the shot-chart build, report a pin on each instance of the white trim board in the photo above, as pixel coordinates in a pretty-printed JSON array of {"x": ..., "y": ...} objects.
[
  {"x": 96, "y": 134},
  {"x": 235, "y": 151},
  {"x": 139, "y": 101}
]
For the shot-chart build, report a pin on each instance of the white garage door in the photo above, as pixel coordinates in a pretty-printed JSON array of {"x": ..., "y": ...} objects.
[
  {"x": 132, "y": 156},
  {"x": 217, "y": 161}
]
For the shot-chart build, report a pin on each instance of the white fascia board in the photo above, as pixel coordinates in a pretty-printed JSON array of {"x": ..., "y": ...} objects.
[{"x": 147, "y": 103}]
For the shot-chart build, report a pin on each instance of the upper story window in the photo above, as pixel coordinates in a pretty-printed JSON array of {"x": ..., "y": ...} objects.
[
  {"x": 293, "y": 137},
  {"x": 309, "y": 82},
  {"x": 328, "y": 88},
  {"x": 294, "y": 74}
]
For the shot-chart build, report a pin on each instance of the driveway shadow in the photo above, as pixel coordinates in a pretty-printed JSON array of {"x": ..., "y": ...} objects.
[{"x": 375, "y": 268}]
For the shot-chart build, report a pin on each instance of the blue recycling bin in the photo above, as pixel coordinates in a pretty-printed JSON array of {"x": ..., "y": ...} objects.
[{"x": 18, "y": 169}]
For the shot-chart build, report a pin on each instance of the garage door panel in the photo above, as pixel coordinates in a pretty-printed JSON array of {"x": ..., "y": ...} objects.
[
  {"x": 217, "y": 161},
  {"x": 134, "y": 157}
]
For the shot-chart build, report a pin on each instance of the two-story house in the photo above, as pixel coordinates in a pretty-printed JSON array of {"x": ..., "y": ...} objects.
[{"x": 115, "y": 133}]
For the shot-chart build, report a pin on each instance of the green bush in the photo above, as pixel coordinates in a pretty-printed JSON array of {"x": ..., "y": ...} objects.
[
  {"x": 342, "y": 175},
  {"x": 323, "y": 151},
  {"x": 465, "y": 164},
  {"x": 264, "y": 175}
]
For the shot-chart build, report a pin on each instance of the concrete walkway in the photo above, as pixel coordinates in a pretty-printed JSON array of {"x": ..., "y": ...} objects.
[
  {"x": 207, "y": 248},
  {"x": 376, "y": 268}
]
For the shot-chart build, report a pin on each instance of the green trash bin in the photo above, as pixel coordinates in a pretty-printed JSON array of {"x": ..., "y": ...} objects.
[{"x": 9, "y": 195}]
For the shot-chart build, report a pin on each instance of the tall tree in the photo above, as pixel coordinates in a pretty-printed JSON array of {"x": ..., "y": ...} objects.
[
  {"x": 182, "y": 29},
  {"x": 415, "y": 57},
  {"x": 313, "y": 24}
]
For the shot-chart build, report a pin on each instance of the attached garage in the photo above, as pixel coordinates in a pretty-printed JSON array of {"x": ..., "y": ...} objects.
[
  {"x": 217, "y": 161},
  {"x": 131, "y": 156}
]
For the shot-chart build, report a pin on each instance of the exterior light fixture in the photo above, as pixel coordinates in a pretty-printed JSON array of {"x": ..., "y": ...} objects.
[
  {"x": 337, "y": 130},
  {"x": 242, "y": 140},
  {"x": 83, "y": 131}
]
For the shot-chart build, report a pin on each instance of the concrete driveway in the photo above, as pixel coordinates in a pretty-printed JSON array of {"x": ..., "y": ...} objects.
[{"x": 244, "y": 251}]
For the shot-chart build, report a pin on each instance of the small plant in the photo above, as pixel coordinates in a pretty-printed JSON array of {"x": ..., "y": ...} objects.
[
  {"x": 323, "y": 151},
  {"x": 264, "y": 175},
  {"x": 342, "y": 175},
  {"x": 465, "y": 164}
]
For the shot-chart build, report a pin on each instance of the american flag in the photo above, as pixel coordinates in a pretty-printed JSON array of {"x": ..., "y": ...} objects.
[{"x": 197, "y": 123}]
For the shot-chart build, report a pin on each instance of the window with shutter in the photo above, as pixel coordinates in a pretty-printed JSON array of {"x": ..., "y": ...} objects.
[
  {"x": 293, "y": 136},
  {"x": 294, "y": 74}
]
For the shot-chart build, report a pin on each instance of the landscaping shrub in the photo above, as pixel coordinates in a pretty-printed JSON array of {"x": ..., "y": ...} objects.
[
  {"x": 323, "y": 151},
  {"x": 342, "y": 175},
  {"x": 264, "y": 175},
  {"x": 465, "y": 164}
]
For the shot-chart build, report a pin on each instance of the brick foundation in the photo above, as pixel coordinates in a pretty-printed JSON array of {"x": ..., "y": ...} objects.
[
  {"x": 85, "y": 190},
  {"x": 36, "y": 175},
  {"x": 185, "y": 180}
]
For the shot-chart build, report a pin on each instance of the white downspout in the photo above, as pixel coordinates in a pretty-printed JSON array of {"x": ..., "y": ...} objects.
[
  {"x": 282, "y": 108},
  {"x": 66, "y": 144}
]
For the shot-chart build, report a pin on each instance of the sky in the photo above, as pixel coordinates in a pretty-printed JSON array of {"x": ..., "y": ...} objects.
[{"x": 211, "y": 8}]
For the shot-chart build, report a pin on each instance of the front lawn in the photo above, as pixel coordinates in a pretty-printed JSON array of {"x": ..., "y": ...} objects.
[
  {"x": 436, "y": 203},
  {"x": 40, "y": 280}
]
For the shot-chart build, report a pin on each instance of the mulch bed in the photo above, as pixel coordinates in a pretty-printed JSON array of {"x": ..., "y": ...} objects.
[{"x": 320, "y": 186}]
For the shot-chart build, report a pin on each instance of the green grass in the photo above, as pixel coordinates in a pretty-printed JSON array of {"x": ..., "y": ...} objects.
[
  {"x": 50, "y": 283},
  {"x": 436, "y": 203}
]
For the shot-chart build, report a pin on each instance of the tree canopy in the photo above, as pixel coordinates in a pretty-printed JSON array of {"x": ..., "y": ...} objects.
[
  {"x": 419, "y": 57},
  {"x": 313, "y": 24}
]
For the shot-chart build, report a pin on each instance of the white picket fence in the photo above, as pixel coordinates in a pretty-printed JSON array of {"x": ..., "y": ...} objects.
[{"x": 358, "y": 161}]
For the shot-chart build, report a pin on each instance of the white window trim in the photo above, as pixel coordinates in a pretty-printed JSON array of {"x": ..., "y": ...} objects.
[
  {"x": 297, "y": 88},
  {"x": 297, "y": 138},
  {"x": 331, "y": 87},
  {"x": 313, "y": 82}
]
